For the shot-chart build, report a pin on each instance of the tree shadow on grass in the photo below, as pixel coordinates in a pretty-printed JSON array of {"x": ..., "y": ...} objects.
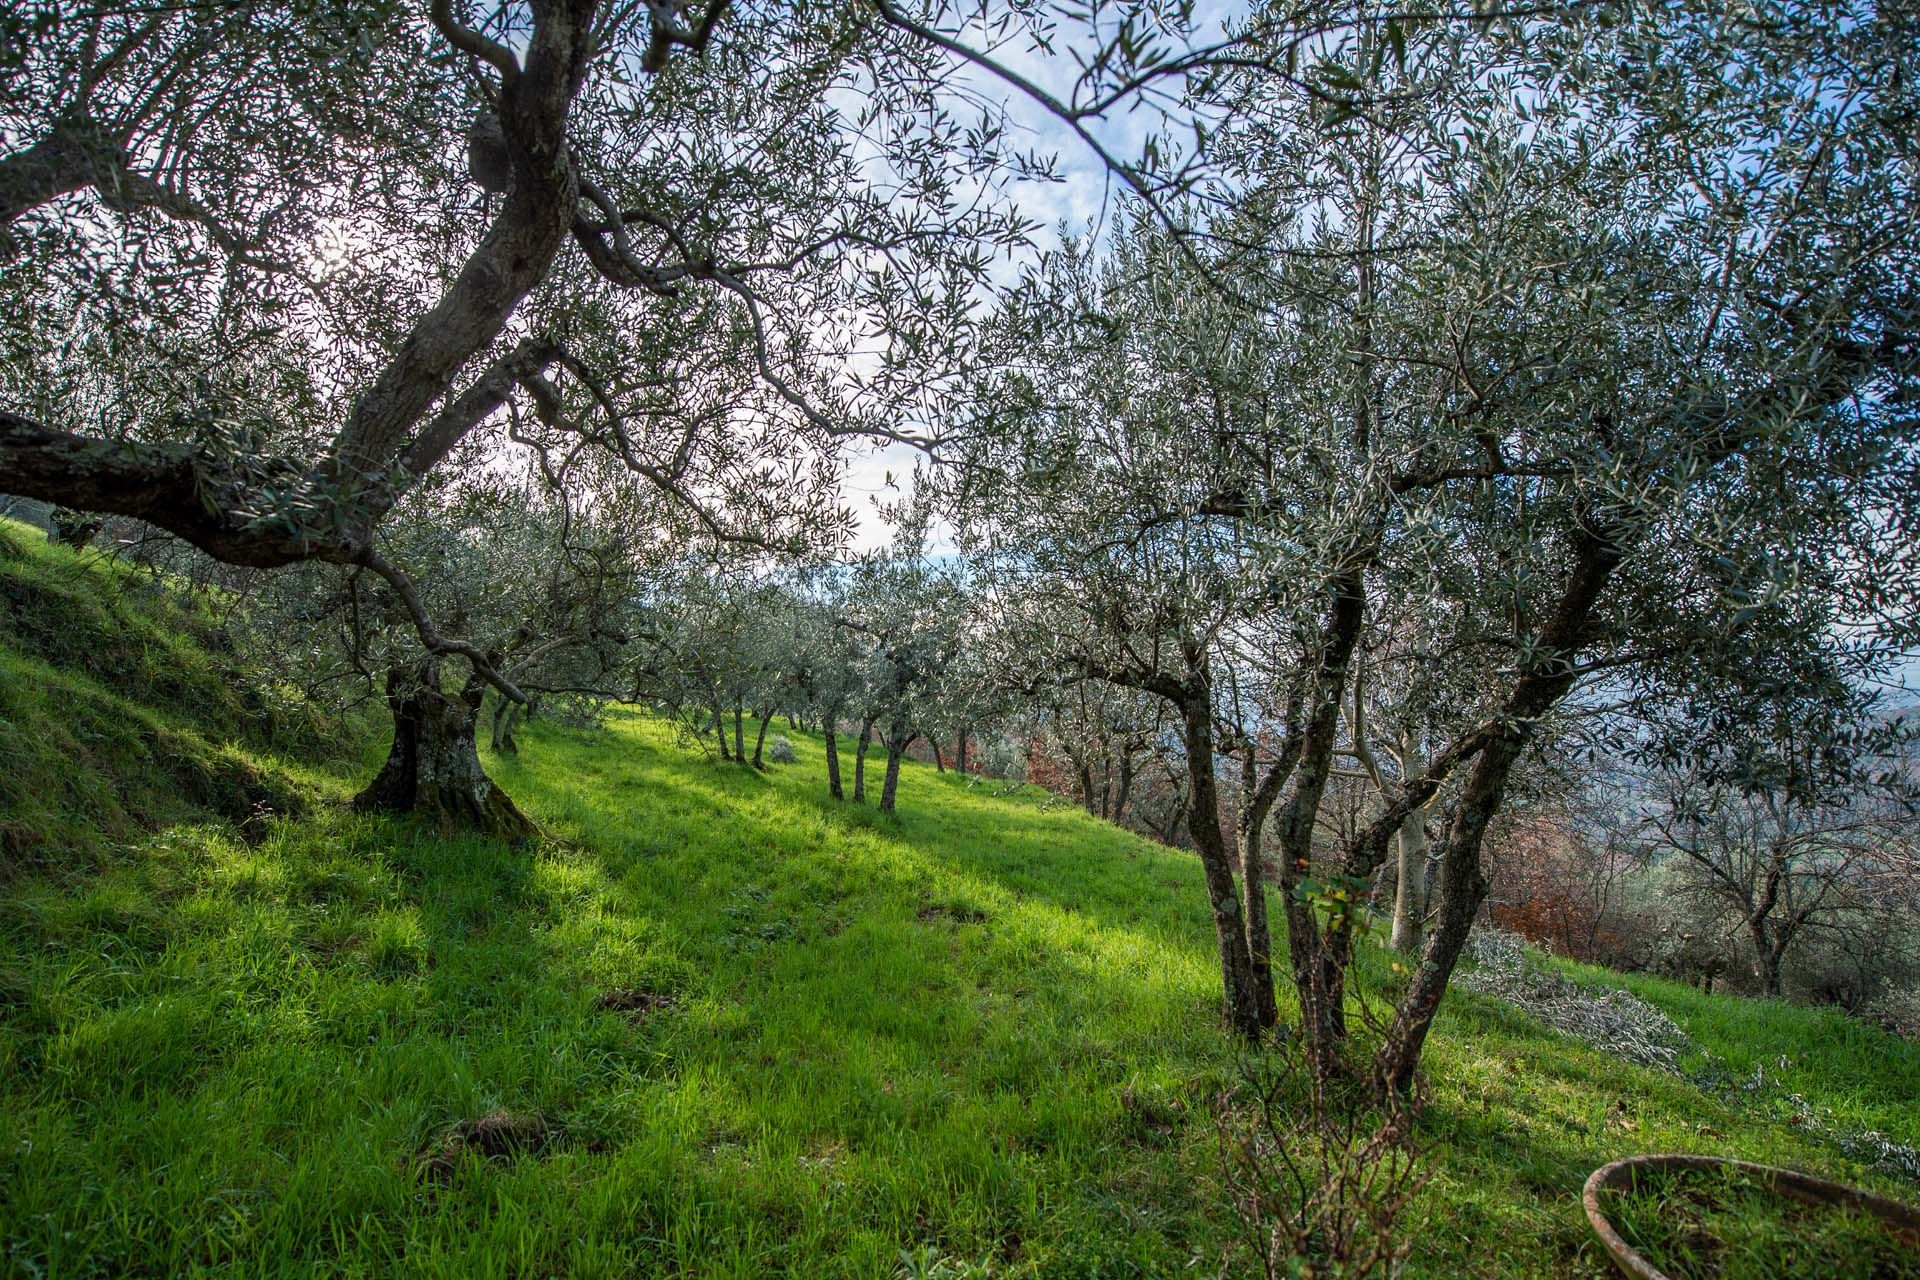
[{"x": 880, "y": 1034}]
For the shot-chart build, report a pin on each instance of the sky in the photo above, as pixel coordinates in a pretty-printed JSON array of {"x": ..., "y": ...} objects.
[{"x": 1081, "y": 203}]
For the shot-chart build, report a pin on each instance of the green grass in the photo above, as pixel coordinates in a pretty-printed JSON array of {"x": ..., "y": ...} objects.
[
  {"x": 120, "y": 709},
  {"x": 985, "y": 1031},
  {"x": 1727, "y": 1224}
]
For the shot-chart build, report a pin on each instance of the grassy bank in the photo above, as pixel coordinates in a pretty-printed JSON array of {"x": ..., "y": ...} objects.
[{"x": 717, "y": 1025}]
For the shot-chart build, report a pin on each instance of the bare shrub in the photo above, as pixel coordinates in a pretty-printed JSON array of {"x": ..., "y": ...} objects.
[
  {"x": 1318, "y": 1174},
  {"x": 1898, "y": 1011}
]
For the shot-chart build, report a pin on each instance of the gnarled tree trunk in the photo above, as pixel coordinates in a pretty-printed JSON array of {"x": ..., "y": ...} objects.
[
  {"x": 1463, "y": 887},
  {"x": 506, "y": 719},
  {"x": 898, "y": 740},
  {"x": 833, "y": 757},
  {"x": 1126, "y": 787},
  {"x": 1770, "y": 942},
  {"x": 1241, "y": 998},
  {"x": 1257, "y": 798},
  {"x": 860, "y": 759},
  {"x": 433, "y": 768}
]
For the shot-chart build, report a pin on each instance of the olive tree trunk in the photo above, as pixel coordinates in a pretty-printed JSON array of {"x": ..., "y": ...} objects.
[
  {"x": 1410, "y": 887},
  {"x": 1598, "y": 549},
  {"x": 760, "y": 739},
  {"x": 1257, "y": 797},
  {"x": 860, "y": 759},
  {"x": 833, "y": 759},
  {"x": 506, "y": 719},
  {"x": 898, "y": 740},
  {"x": 433, "y": 769},
  {"x": 1240, "y": 989},
  {"x": 1770, "y": 942},
  {"x": 1410, "y": 891},
  {"x": 1126, "y": 788}
]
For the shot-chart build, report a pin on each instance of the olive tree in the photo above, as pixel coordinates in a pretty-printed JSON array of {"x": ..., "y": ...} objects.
[
  {"x": 824, "y": 664},
  {"x": 554, "y": 599},
  {"x": 703, "y": 660},
  {"x": 271, "y": 268},
  {"x": 1792, "y": 830},
  {"x": 909, "y": 616},
  {"x": 1608, "y": 360},
  {"x": 1105, "y": 733}
]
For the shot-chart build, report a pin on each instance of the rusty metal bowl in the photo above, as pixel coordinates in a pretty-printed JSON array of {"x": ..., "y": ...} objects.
[{"x": 1903, "y": 1221}]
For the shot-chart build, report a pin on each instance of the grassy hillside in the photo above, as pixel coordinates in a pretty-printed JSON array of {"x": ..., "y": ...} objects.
[
  {"x": 716, "y": 1025},
  {"x": 121, "y": 708}
]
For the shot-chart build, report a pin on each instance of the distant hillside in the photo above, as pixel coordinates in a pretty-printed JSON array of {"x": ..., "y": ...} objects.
[{"x": 714, "y": 1025}]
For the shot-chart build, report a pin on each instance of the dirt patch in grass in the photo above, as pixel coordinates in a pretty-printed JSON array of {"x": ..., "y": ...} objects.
[
  {"x": 1149, "y": 1117},
  {"x": 953, "y": 913},
  {"x": 637, "y": 1002},
  {"x": 498, "y": 1135}
]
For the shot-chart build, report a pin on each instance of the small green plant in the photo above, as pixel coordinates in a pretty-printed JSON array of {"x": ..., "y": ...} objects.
[
  {"x": 1340, "y": 901},
  {"x": 395, "y": 944},
  {"x": 928, "y": 1263}
]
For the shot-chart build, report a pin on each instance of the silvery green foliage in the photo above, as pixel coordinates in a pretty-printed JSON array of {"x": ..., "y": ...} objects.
[
  {"x": 709, "y": 651},
  {"x": 1869, "y": 1146},
  {"x": 1611, "y": 1020},
  {"x": 1000, "y": 757},
  {"x": 254, "y": 295},
  {"x": 909, "y": 618},
  {"x": 554, "y": 598},
  {"x": 1559, "y": 368},
  {"x": 780, "y": 750}
]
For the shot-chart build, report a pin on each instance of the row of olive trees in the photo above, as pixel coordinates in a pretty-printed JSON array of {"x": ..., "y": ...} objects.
[
  {"x": 880, "y": 646},
  {"x": 1465, "y": 377},
  {"x": 275, "y": 272},
  {"x": 278, "y": 276},
  {"x": 1543, "y": 384}
]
